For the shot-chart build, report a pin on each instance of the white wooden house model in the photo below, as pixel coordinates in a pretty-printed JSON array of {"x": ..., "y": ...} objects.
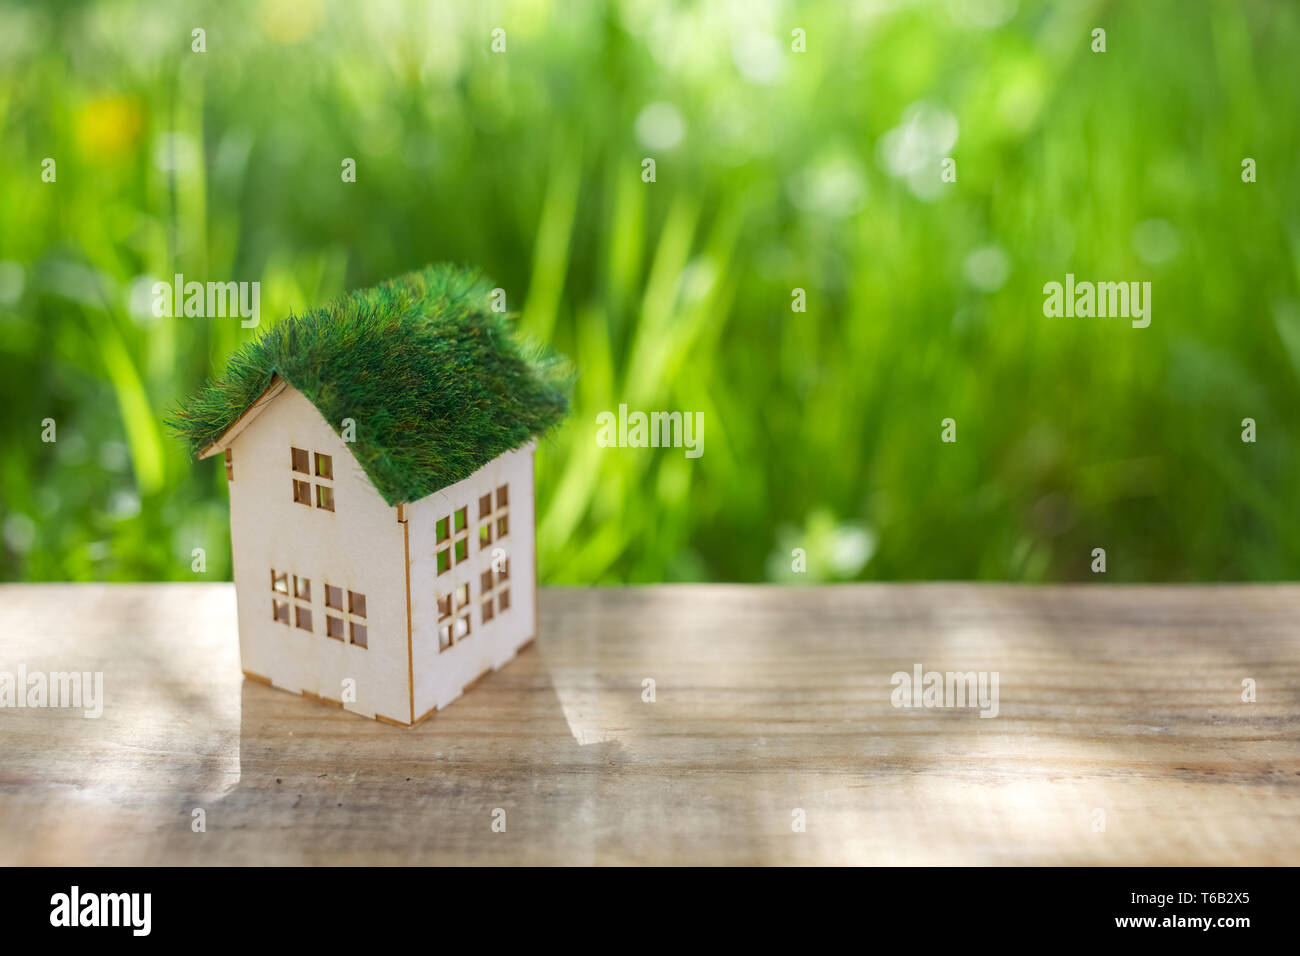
[{"x": 389, "y": 610}]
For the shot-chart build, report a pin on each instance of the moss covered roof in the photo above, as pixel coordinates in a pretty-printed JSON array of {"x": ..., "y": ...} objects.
[{"x": 435, "y": 381}]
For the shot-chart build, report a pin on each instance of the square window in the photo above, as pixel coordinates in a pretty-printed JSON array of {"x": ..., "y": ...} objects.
[
  {"x": 443, "y": 529},
  {"x": 324, "y": 466},
  {"x": 334, "y": 597},
  {"x": 462, "y": 596},
  {"x": 487, "y": 610},
  {"x": 485, "y": 505},
  {"x": 462, "y": 627},
  {"x": 485, "y": 581},
  {"x": 503, "y": 601},
  {"x": 503, "y": 496},
  {"x": 503, "y": 574},
  {"x": 485, "y": 535},
  {"x": 325, "y": 497},
  {"x": 462, "y": 550},
  {"x": 444, "y": 637},
  {"x": 444, "y": 606},
  {"x": 299, "y": 460},
  {"x": 334, "y": 627},
  {"x": 303, "y": 617},
  {"x": 503, "y": 526},
  {"x": 302, "y": 588},
  {"x": 444, "y": 560},
  {"x": 462, "y": 519},
  {"x": 280, "y": 582},
  {"x": 359, "y": 634},
  {"x": 302, "y": 492},
  {"x": 280, "y": 611},
  {"x": 356, "y": 604}
]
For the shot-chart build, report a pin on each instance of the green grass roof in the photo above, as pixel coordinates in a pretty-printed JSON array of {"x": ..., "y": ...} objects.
[{"x": 435, "y": 381}]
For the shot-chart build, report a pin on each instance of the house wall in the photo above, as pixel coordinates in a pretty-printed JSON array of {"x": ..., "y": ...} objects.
[
  {"x": 359, "y": 547},
  {"x": 442, "y": 674}
]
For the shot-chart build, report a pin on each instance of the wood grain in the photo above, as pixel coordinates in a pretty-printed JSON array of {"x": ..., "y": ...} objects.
[{"x": 1126, "y": 699}]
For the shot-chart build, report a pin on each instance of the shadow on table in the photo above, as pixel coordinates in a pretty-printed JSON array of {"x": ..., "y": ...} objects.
[{"x": 494, "y": 778}]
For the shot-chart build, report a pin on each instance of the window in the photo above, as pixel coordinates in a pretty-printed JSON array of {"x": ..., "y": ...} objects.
[
  {"x": 494, "y": 577},
  {"x": 489, "y": 518},
  {"x": 485, "y": 609},
  {"x": 453, "y": 616},
  {"x": 451, "y": 540},
  {"x": 444, "y": 621},
  {"x": 323, "y": 475},
  {"x": 283, "y": 597},
  {"x": 347, "y": 625}
]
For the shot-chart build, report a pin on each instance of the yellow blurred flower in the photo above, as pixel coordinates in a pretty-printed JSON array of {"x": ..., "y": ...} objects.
[
  {"x": 289, "y": 21},
  {"x": 108, "y": 126}
]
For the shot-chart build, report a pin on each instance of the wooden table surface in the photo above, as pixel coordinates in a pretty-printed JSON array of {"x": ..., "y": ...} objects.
[{"x": 1126, "y": 700}]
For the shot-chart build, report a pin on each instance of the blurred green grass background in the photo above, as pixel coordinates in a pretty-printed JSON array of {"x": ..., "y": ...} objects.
[{"x": 776, "y": 170}]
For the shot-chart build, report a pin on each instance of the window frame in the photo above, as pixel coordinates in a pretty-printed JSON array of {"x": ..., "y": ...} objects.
[
  {"x": 314, "y": 489},
  {"x": 351, "y": 611}
]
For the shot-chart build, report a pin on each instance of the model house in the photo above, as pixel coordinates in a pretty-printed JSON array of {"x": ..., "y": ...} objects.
[{"x": 379, "y": 458}]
